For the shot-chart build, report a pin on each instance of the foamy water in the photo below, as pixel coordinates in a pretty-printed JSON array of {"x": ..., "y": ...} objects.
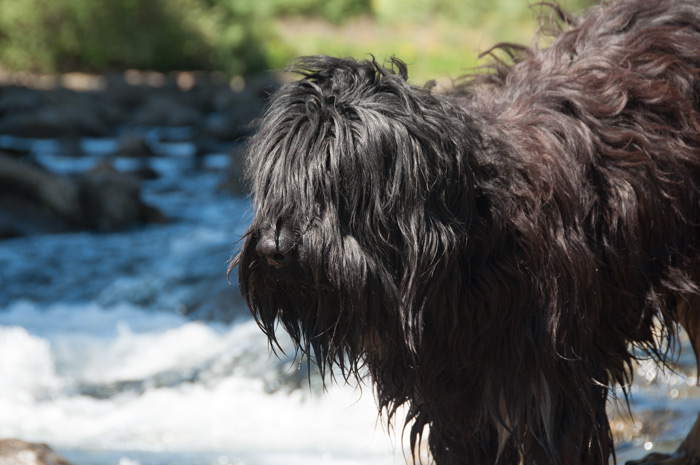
[{"x": 120, "y": 383}]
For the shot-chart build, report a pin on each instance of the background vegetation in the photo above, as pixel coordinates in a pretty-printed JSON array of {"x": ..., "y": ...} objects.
[{"x": 246, "y": 36}]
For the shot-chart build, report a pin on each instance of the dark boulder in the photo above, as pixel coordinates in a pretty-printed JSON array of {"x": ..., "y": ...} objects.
[
  {"x": 133, "y": 145},
  {"x": 111, "y": 200},
  {"x": 34, "y": 201}
]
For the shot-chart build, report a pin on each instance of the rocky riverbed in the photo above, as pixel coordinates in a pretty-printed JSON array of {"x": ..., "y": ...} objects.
[{"x": 108, "y": 133}]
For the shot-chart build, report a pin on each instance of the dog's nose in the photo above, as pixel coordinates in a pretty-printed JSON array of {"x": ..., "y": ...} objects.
[{"x": 276, "y": 247}]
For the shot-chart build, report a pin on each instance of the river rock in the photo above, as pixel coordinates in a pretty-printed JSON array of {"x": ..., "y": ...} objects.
[
  {"x": 33, "y": 200},
  {"x": 14, "y": 99},
  {"x": 166, "y": 109},
  {"x": 52, "y": 114},
  {"x": 18, "y": 452},
  {"x": 133, "y": 145},
  {"x": 111, "y": 200}
]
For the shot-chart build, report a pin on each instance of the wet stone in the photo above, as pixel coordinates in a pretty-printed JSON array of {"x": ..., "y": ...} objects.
[{"x": 18, "y": 452}]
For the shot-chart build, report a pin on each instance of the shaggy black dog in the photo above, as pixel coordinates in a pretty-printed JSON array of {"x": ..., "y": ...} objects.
[{"x": 494, "y": 258}]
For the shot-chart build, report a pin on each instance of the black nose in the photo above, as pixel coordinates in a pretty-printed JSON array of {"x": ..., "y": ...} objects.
[{"x": 276, "y": 246}]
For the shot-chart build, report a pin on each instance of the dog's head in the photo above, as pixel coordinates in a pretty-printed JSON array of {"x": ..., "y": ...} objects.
[{"x": 362, "y": 193}]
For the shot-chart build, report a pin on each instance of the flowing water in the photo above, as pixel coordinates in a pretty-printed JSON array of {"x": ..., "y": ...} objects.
[{"x": 105, "y": 353}]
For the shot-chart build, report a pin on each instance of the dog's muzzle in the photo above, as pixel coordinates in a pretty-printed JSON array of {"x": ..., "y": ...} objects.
[{"x": 276, "y": 246}]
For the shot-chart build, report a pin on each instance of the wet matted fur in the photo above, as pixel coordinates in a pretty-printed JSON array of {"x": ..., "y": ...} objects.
[{"x": 495, "y": 257}]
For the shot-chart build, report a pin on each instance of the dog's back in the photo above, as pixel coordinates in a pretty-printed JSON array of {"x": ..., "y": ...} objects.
[{"x": 605, "y": 127}]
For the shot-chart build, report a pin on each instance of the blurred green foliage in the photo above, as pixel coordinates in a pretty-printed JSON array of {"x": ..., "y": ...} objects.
[
  {"x": 97, "y": 35},
  {"x": 335, "y": 11},
  {"x": 437, "y": 38},
  {"x": 466, "y": 12},
  {"x": 237, "y": 36}
]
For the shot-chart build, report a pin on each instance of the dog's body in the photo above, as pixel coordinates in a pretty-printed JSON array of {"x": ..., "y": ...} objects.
[{"x": 490, "y": 256}]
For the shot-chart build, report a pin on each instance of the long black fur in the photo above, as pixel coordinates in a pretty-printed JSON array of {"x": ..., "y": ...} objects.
[{"x": 492, "y": 257}]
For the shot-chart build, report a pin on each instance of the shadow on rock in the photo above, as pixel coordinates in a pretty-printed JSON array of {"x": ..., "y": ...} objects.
[{"x": 34, "y": 201}]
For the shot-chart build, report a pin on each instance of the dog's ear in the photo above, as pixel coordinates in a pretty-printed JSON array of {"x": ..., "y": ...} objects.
[
  {"x": 435, "y": 233},
  {"x": 432, "y": 277}
]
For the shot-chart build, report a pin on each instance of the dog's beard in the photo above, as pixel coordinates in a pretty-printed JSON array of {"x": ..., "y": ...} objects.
[{"x": 329, "y": 299}]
